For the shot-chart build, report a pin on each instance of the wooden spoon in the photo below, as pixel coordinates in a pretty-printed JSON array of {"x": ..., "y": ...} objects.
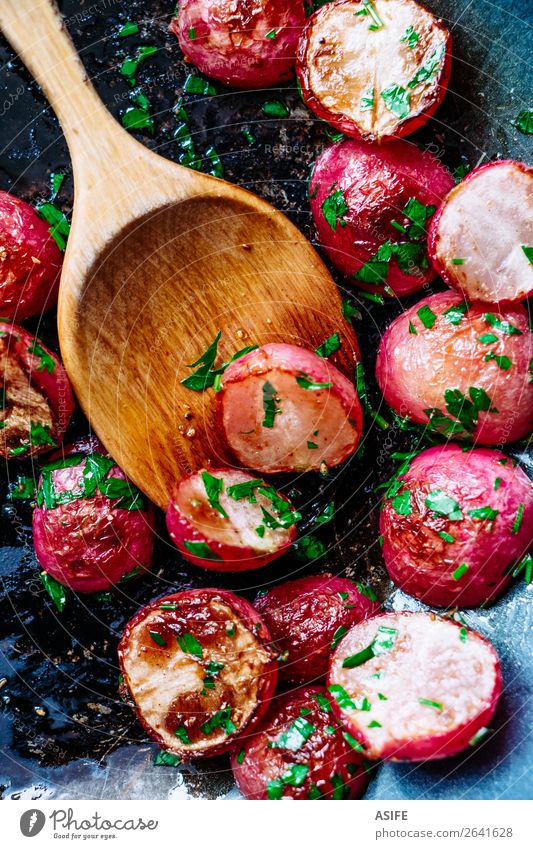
[{"x": 159, "y": 259}]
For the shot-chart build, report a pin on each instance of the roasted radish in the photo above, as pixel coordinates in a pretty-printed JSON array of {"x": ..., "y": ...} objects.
[
  {"x": 374, "y": 70},
  {"x": 30, "y": 261},
  {"x": 92, "y": 528},
  {"x": 198, "y": 669},
  {"x": 372, "y": 205},
  {"x": 241, "y": 43},
  {"x": 300, "y": 752},
  {"x": 283, "y": 408},
  {"x": 308, "y": 617},
  {"x": 228, "y": 520},
  {"x": 411, "y": 686},
  {"x": 465, "y": 368},
  {"x": 481, "y": 238},
  {"x": 454, "y": 523},
  {"x": 37, "y": 401}
]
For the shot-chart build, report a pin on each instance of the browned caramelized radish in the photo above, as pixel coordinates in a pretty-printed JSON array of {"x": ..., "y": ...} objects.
[
  {"x": 198, "y": 668},
  {"x": 374, "y": 69}
]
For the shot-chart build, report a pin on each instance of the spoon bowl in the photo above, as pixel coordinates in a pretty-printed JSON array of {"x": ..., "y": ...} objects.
[{"x": 159, "y": 260}]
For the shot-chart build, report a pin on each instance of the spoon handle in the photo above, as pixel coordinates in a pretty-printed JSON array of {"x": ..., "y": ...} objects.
[{"x": 38, "y": 34}]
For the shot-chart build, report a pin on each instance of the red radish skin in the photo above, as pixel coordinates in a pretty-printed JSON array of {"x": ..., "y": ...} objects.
[
  {"x": 483, "y": 225},
  {"x": 423, "y": 563},
  {"x": 307, "y": 616},
  {"x": 30, "y": 261},
  {"x": 334, "y": 768},
  {"x": 441, "y": 683},
  {"x": 233, "y": 542},
  {"x": 38, "y": 398},
  {"x": 238, "y": 42},
  {"x": 344, "y": 67},
  {"x": 329, "y": 418},
  {"x": 89, "y": 544},
  {"x": 417, "y": 364},
  {"x": 166, "y": 684},
  {"x": 376, "y": 182}
]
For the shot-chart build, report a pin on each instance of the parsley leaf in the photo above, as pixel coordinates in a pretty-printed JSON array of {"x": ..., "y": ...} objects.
[
  {"x": 213, "y": 488},
  {"x": 329, "y": 346},
  {"x": 334, "y": 208},
  {"x": 396, "y": 100},
  {"x": 270, "y": 399}
]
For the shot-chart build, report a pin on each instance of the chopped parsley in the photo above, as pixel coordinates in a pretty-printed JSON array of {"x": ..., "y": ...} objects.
[
  {"x": 515, "y": 527},
  {"x": 270, "y": 399},
  {"x": 443, "y": 505},
  {"x": 308, "y": 383},
  {"x": 426, "y": 316},
  {"x": 276, "y": 109},
  {"x": 166, "y": 759},
  {"x": 295, "y": 736},
  {"x": 189, "y": 645},
  {"x": 271, "y": 34},
  {"x": 201, "y": 550},
  {"x": 220, "y": 719},
  {"x": 213, "y": 488},
  {"x": 183, "y": 737},
  {"x": 367, "y": 99},
  {"x": 206, "y": 375},
  {"x": 454, "y": 314},
  {"x": 46, "y": 361},
  {"x": 482, "y": 513},
  {"x": 412, "y": 329},
  {"x": 479, "y": 736},
  {"x": 396, "y": 99},
  {"x": 194, "y": 84},
  {"x": 341, "y": 631},
  {"x": 55, "y": 590},
  {"x": 502, "y": 362},
  {"x": 355, "y": 744},
  {"x": 157, "y": 638},
  {"x": 487, "y": 338},
  {"x": 458, "y": 260},
  {"x": 131, "y": 64},
  {"x": 461, "y": 570},
  {"x": 402, "y": 503},
  {"x": 329, "y": 346},
  {"x": 410, "y": 37},
  {"x": 429, "y": 67},
  {"x": 294, "y": 776},
  {"x": 334, "y": 208},
  {"x": 431, "y": 703},
  {"x": 445, "y": 536},
  {"x": 528, "y": 252},
  {"x": 382, "y": 643},
  {"x": 349, "y": 310},
  {"x": 129, "y": 28},
  {"x": 501, "y": 324},
  {"x": 524, "y": 121},
  {"x": 341, "y": 696}
]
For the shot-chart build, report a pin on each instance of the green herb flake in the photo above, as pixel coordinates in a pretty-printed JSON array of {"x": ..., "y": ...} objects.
[
  {"x": 350, "y": 311},
  {"x": 454, "y": 314},
  {"x": 482, "y": 513},
  {"x": 396, "y": 99},
  {"x": 501, "y": 361},
  {"x": 191, "y": 33},
  {"x": 501, "y": 324},
  {"x": 412, "y": 329},
  {"x": 402, "y": 503},
  {"x": 431, "y": 703},
  {"x": 271, "y": 34},
  {"x": 374, "y": 724},
  {"x": 295, "y": 736},
  {"x": 248, "y": 135},
  {"x": 220, "y": 719},
  {"x": 337, "y": 636},
  {"x": 515, "y": 527},
  {"x": 426, "y": 316},
  {"x": 334, "y": 208},
  {"x": 55, "y": 590},
  {"x": 322, "y": 701},
  {"x": 463, "y": 634},
  {"x": 240, "y": 757},
  {"x": 479, "y": 736},
  {"x": 487, "y": 338},
  {"x": 445, "y": 536},
  {"x": 166, "y": 759},
  {"x": 367, "y": 591},
  {"x": 23, "y": 489},
  {"x": 367, "y": 99},
  {"x": 306, "y": 382},
  {"x": 460, "y": 571},
  {"x": 429, "y": 67},
  {"x": 329, "y": 346},
  {"x": 195, "y": 84},
  {"x": 497, "y": 483},
  {"x": 528, "y": 252},
  {"x": 341, "y": 696},
  {"x": 276, "y": 109},
  {"x": 410, "y": 37},
  {"x": 46, "y": 361},
  {"x": 524, "y": 121},
  {"x": 213, "y": 488},
  {"x": 183, "y": 737},
  {"x": 128, "y": 29},
  {"x": 458, "y": 260},
  {"x": 444, "y": 505},
  {"x": 157, "y": 638},
  {"x": 355, "y": 744},
  {"x": 270, "y": 399},
  {"x": 190, "y": 645},
  {"x": 59, "y": 224},
  {"x": 201, "y": 550}
]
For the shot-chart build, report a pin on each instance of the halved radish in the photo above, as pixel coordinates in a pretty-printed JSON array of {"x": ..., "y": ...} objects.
[
  {"x": 481, "y": 238},
  {"x": 454, "y": 524},
  {"x": 374, "y": 70},
  {"x": 300, "y": 752},
  {"x": 307, "y": 617},
  {"x": 283, "y": 408},
  {"x": 411, "y": 686},
  {"x": 372, "y": 205},
  {"x": 227, "y": 520},
  {"x": 465, "y": 368},
  {"x": 198, "y": 670},
  {"x": 37, "y": 400},
  {"x": 241, "y": 43}
]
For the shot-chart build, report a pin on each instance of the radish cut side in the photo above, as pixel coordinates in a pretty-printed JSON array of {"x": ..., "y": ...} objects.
[
  {"x": 481, "y": 240},
  {"x": 410, "y": 686},
  {"x": 374, "y": 70}
]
